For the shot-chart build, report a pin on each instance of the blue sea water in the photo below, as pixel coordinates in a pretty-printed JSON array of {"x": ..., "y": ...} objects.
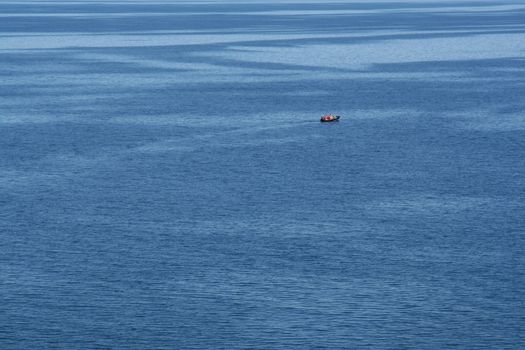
[{"x": 165, "y": 182}]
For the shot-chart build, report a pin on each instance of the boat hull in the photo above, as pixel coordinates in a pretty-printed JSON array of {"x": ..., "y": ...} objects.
[{"x": 330, "y": 119}]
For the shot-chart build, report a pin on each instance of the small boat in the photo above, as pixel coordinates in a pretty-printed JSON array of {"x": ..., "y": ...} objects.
[{"x": 329, "y": 118}]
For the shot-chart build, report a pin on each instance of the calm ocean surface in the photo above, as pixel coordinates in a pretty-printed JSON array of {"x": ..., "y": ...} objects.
[{"x": 165, "y": 182}]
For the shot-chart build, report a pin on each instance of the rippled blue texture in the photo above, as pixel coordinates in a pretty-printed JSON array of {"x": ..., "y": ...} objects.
[{"x": 165, "y": 182}]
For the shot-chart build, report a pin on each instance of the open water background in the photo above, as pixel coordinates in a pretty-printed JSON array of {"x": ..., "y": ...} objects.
[{"x": 165, "y": 182}]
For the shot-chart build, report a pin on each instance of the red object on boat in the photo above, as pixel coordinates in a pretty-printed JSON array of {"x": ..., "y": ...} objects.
[{"x": 329, "y": 118}]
